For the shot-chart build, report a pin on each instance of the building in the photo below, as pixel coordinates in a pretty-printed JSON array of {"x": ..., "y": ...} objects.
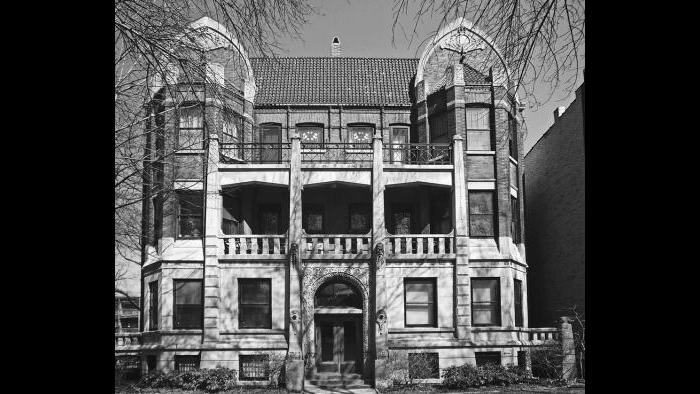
[
  {"x": 555, "y": 213},
  {"x": 337, "y": 214},
  {"x": 126, "y": 314}
]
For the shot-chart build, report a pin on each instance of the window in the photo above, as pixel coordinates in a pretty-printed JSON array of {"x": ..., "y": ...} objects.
[
  {"x": 254, "y": 367},
  {"x": 271, "y": 137},
  {"x": 151, "y": 363},
  {"x": 311, "y": 136},
  {"x": 189, "y": 216},
  {"x": 361, "y": 136},
  {"x": 486, "y": 302},
  {"x": 313, "y": 218},
  {"x": 153, "y": 305},
  {"x": 420, "y": 305},
  {"x": 481, "y": 213},
  {"x": 483, "y": 358},
  {"x": 513, "y": 138},
  {"x": 399, "y": 150},
  {"x": 480, "y": 167},
  {"x": 424, "y": 365},
  {"x": 231, "y": 136},
  {"x": 254, "y": 303},
  {"x": 188, "y": 303},
  {"x": 186, "y": 363},
  {"x": 513, "y": 171},
  {"x": 518, "y": 301},
  {"x": 269, "y": 218},
  {"x": 360, "y": 221},
  {"x": 191, "y": 127},
  {"x": 479, "y": 129},
  {"x": 337, "y": 294},
  {"x": 515, "y": 219}
]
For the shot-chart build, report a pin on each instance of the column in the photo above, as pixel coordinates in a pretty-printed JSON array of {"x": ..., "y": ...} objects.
[
  {"x": 294, "y": 367},
  {"x": 461, "y": 227},
  {"x": 212, "y": 206},
  {"x": 378, "y": 239},
  {"x": 568, "y": 363}
]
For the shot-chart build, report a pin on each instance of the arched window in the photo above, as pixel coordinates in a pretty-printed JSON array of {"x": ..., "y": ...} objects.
[{"x": 338, "y": 295}]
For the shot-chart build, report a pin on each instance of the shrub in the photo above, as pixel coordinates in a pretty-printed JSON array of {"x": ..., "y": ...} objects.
[
  {"x": 209, "y": 380},
  {"x": 547, "y": 362},
  {"x": 467, "y": 375}
]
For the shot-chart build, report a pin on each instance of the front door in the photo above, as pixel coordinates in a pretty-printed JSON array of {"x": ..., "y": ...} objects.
[
  {"x": 338, "y": 344},
  {"x": 399, "y": 147},
  {"x": 271, "y": 149}
]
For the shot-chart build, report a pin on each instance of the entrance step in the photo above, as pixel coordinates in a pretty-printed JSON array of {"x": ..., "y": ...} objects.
[
  {"x": 310, "y": 387},
  {"x": 336, "y": 380}
]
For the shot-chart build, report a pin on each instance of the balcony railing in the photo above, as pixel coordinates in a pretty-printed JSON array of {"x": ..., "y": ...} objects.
[
  {"x": 127, "y": 339},
  {"x": 251, "y": 245},
  {"x": 337, "y": 244},
  {"x": 539, "y": 334},
  {"x": 418, "y": 153},
  {"x": 254, "y": 152},
  {"x": 427, "y": 244},
  {"x": 336, "y": 153}
]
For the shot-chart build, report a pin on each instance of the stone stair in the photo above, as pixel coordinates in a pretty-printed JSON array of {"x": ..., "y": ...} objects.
[{"x": 331, "y": 380}]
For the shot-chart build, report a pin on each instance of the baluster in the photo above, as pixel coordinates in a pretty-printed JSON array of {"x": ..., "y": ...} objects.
[
  {"x": 409, "y": 245},
  {"x": 441, "y": 245},
  {"x": 431, "y": 245},
  {"x": 253, "y": 245},
  {"x": 359, "y": 245},
  {"x": 348, "y": 245},
  {"x": 419, "y": 243},
  {"x": 265, "y": 245},
  {"x": 336, "y": 245},
  {"x": 326, "y": 244},
  {"x": 276, "y": 246}
]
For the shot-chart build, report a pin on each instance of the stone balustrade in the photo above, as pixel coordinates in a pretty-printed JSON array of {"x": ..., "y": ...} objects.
[
  {"x": 247, "y": 245},
  {"x": 336, "y": 244},
  {"x": 127, "y": 339},
  {"x": 427, "y": 244}
]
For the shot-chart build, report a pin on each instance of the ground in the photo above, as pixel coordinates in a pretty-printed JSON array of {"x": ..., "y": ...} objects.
[{"x": 419, "y": 389}]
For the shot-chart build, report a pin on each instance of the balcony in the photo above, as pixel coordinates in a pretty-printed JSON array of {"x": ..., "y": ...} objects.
[{"x": 125, "y": 342}]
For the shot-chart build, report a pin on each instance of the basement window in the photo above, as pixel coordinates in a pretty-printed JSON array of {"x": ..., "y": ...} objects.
[
  {"x": 254, "y": 367},
  {"x": 185, "y": 363},
  {"x": 483, "y": 358}
]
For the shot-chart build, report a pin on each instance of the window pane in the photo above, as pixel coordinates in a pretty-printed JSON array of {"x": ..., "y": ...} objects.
[
  {"x": 481, "y": 202},
  {"x": 254, "y": 316},
  {"x": 480, "y": 167},
  {"x": 484, "y": 290},
  {"x": 479, "y": 140},
  {"x": 478, "y": 118},
  {"x": 483, "y": 316},
  {"x": 311, "y": 134},
  {"x": 190, "y": 139},
  {"x": 360, "y": 134},
  {"x": 359, "y": 218},
  {"x": 513, "y": 170},
  {"x": 188, "y": 316},
  {"x": 481, "y": 225},
  {"x": 419, "y": 292},
  {"x": 191, "y": 117},
  {"x": 418, "y": 315},
  {"x": 189, "y": 292},
  {"x": 255, "y": 291}
]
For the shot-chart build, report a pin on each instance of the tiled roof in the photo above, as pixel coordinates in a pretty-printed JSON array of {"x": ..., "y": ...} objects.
[
  {"x": 473, "y": 76},
  {"x": 333, "y": 80}
]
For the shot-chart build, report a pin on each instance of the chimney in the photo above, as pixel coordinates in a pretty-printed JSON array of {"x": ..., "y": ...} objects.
[
  {"x": 558, "y": 111},
  {"x": 335, "y": 48}
]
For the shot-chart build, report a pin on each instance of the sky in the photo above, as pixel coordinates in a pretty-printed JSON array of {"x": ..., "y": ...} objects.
[{"x": 364, "y": 28}]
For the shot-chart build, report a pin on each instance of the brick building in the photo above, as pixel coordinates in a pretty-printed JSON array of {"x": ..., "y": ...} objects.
[
  {"x": 337, "y": 214},
  {"x": 555, "y": 214}
]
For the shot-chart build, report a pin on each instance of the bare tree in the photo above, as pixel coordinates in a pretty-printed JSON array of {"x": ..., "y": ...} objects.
[
  {"x": 542, "y": 41},
  {"x": 152, "y": 40}
]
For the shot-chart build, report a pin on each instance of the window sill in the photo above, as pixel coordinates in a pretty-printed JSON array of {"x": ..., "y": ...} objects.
[
  {"x": 313, "y": 151},
  {"x": 182, "y": 331},
  {"x": 481, "y": 152},
  {"x": 189, "y": 151},
  {"x": 415, "y": 329}
]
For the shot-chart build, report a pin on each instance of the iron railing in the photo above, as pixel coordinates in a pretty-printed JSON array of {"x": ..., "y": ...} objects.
[
  {"x": 336, "y": 152},
  {"x": 254, "y": 152},
  {"x": 418, "y": 153}
]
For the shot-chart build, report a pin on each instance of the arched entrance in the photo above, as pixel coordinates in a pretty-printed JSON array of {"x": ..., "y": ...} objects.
[{"x": 338, "y": 328}]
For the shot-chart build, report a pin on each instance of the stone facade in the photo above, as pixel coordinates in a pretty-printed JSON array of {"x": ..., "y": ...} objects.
[{"x": 364, "y": 213}]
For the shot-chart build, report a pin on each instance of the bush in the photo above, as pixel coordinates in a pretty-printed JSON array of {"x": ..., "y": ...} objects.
[
  {"x": 209, "y": 380},
  {"x": 547, "y": 362},
  {"x": 467, "y": 375}
]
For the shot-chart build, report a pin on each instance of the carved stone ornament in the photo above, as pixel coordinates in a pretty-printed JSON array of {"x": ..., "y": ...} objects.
[
  {"x": 294, "y": 255},
  {"x": 379, "y": 259},
  {"x": 381, "y": 320}
]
